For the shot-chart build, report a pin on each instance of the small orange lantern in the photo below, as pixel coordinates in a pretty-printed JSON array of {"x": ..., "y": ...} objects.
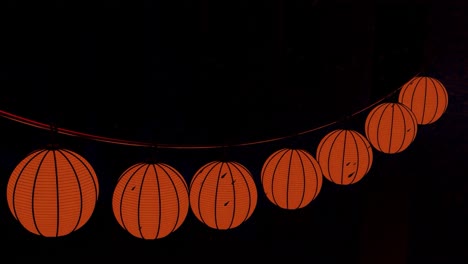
[
  {"x": 52, "y": 192},
  {"x": 391, "y": 127},
  {"x": 291, "y": 178},
  {"x": 345, "y": 156},
  {"x": 223, "y": 194},
  {"x": 426, "y": 97},
  {"x": 150, "y": 200}
]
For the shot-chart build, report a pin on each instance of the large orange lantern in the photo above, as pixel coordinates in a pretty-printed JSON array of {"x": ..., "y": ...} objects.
[
  {"x": 291, "y": 178},
  {"x": 391, "y": 127},
  {"x": 52, "y": 192},
  {"x": 426, "y": 97},
  {"x": 345, "y": 156},
  {"x": 223, "y": 194},
  {"x": 150, "y": 200}
]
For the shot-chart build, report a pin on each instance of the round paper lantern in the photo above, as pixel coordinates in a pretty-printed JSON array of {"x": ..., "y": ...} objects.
[
  {"x": 52, "y": 192},
  {"x": 223, "y": 194},
  {"x": 150, "y": 200},
  {"x": 345, "y": 156},
  {"x": 291, "y": 178},
  {"x": 391, "y": 127},
  {"x": 426, "y": 97}
]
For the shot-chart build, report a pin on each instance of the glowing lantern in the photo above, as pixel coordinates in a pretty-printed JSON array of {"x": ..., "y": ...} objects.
[
  {"x": 345, "y": 156},
  {"x": 223, "y": 194},
  {"x": 391, "y": 127},
  {"x": 291, "y": 178},
  {"x": 426, "y": 97},
  {"x": 52, "y": 192},
  {"x": 150, "y": 200}
]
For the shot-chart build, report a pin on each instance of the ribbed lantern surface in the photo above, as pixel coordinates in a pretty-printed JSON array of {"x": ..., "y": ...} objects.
[
  {"x": 150, "y": 200},
  {"x": 345, "y": 156},
  {"x": 291, "y": 178},
  {"x": 426, "y": 97},
  {"x": 391, "y": 127},
  {"x": 52, "y": 192},
  {"x": 223, "y": 194}
]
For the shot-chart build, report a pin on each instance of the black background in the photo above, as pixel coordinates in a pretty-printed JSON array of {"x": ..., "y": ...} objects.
[{"x": 228, "y": 72}]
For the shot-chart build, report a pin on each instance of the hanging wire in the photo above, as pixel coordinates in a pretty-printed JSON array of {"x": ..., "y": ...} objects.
[{"x": 118, "y": 141}]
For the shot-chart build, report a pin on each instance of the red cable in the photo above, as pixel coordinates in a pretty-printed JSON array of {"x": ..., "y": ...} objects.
[{"x": 69, "y": 132}]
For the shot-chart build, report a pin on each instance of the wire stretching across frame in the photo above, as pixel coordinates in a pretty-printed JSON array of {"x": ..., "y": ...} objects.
[{"x": 119, "y": 141}]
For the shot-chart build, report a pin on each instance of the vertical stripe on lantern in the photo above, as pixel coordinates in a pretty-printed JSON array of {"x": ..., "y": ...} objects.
[
  {"x": 391, "y": 127},
  {"x": 345, "y": 156},
  {"x": 69, "y": 166},
  {"x": 52, "y": 192},
  {"x": 291, "y": 178},
  {"x": 150, "y": 200},
  {"x": 223, "y": 194},
  {"x": 426, "y": 97}
]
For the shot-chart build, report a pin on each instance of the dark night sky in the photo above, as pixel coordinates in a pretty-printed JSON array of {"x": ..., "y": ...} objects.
[{"x": 223, "y": 72}]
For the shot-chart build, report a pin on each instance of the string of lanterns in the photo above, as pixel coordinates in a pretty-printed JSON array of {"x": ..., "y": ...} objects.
[{"x": 53, "y": 191}]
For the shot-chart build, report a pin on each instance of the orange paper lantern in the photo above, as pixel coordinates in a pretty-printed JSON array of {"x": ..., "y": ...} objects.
[
  {"x": 150, "y": 200},
  {"x": 426, "y": 97},
  {"x": 52, "y": 192},
  {"x": 345, "y": 156},
  {"x": 391, "y": 127},
  {"x": 291, "y": 178},
  {"x": 223, "y": 194}
]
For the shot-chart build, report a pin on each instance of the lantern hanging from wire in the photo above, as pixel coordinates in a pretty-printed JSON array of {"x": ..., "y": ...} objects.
[
  {"x": 150, "y": 200},
  {"x": 223, "y": 194},
  {"x": 52, "y": 192},
  {"x": 426, "y": 97},
  {"x": 391, "y": 127},
  {"x": 291, "y": 178},
  {"x": 345, "y": 156}
]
